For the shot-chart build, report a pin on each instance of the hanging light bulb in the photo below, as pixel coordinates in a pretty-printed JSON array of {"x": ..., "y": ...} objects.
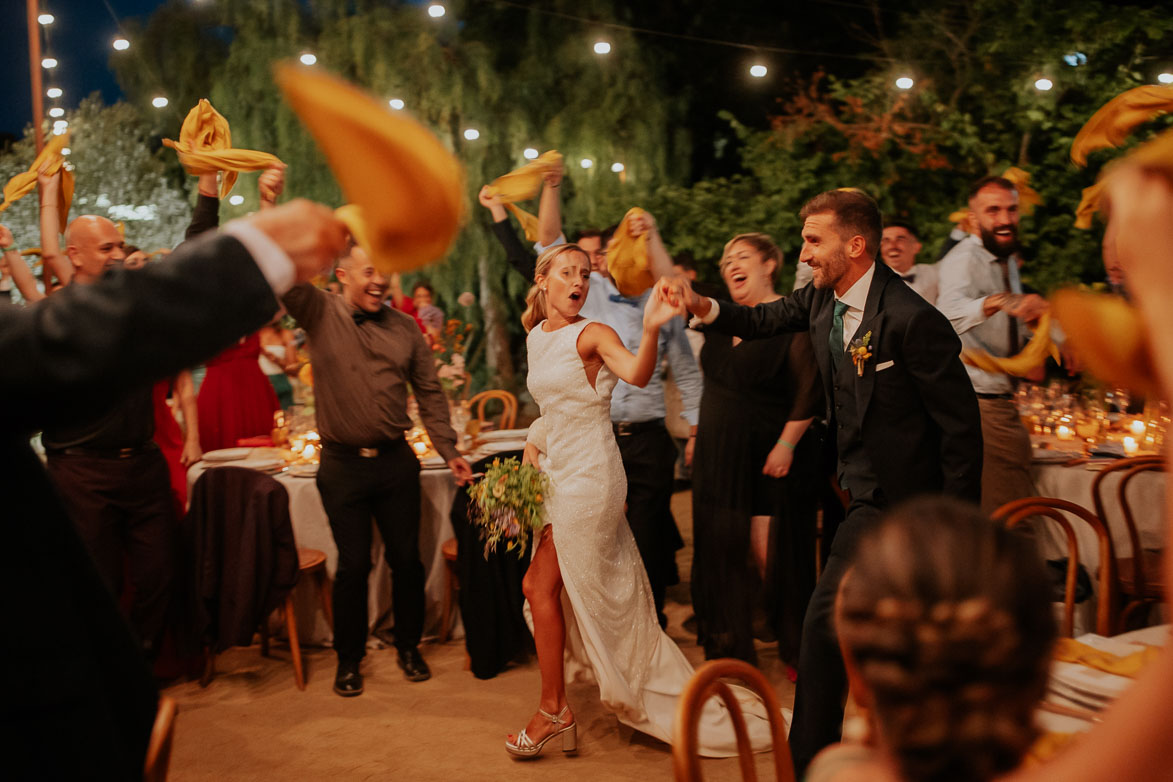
[
  {"x": 435, "y": 10},
  {"x": 56, "y": 111},
  {"x": 236, "y": 200},
  {"x": 472, "y": 134},
  {"x": 396, "y": 104},
  {"x": 602, "y": 47},
  {"x": 54, "y": 92},
  {"x": 904, "y": 83},
  {"x": 1044, "y": 84},
  {"x": 46, "y": 19},
  {"x": 159, "y": 102},
  {"x": 48, "y": 63},
  {"x": 616, "y": 167},
  {"x": 121, "y": 44},
  {"x": 308, "y": 58},
  {"x": 586, "y": 162},
  {"x": 529, "y": 153},
  {"x": 1165, "y": 78},
  {"x": 758, "y": 71}
]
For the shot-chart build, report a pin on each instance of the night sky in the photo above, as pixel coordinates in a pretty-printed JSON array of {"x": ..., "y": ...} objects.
[{"x": 80, "y": 40}]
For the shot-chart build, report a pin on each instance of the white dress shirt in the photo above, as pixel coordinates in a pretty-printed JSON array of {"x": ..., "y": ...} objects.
[{"x": 922, "y": 278}]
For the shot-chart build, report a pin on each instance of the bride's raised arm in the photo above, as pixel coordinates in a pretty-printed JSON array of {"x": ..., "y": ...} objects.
[{"x": 600, "y": 342}]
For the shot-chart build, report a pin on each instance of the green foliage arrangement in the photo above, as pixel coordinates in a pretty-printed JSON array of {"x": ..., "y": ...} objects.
[{"x": 508, "y": 504}]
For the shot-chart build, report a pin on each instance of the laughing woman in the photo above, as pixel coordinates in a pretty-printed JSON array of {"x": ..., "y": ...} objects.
[
  {"x": 587, "y": 591},
  {"x": 754, "y": 471}
]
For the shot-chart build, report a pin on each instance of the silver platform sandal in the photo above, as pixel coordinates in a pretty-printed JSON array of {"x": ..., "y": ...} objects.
[{"x": 524, "y": 747}]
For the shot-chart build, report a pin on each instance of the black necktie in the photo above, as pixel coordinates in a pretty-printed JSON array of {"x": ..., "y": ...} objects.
[
  {"x": 910, "y": 279},
  {"x": 1012, "y": 334},
  {"x": 362, "y": 316}
]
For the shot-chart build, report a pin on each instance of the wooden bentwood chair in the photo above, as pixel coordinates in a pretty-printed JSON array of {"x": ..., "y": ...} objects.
[
  {"x": 706, "y": 683},
  {"x": 1017, "y": 511},
  {"x": 1140, "y": 577},
  {"x": 508, "y": 416},
  {"x": 159, "y": 747}
]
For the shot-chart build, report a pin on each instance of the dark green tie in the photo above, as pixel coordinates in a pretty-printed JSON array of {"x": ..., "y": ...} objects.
[{"x": 836, "y": 341}]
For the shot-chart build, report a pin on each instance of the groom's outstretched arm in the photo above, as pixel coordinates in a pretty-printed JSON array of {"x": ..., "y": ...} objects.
[{"x": 788, "y": 314}]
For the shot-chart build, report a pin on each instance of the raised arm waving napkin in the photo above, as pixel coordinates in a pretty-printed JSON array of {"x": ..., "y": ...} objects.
[
  {"x": 205, "y": 147},
  {"x": 26, "y": 182},
  {"x": 522, "y": 184},
  {"x": 409, "y": 188}
]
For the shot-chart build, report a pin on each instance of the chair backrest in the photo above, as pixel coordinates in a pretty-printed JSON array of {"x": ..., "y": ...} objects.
[
  {"x": 508, "y": 403},
  {"x": 706, "y": 683},
  {"x": 1119, "y": 465},
  {"x": 1017, "y": 511},
  {"x": 1138, "y": 574},
  {"x": 159, "y": 748}
]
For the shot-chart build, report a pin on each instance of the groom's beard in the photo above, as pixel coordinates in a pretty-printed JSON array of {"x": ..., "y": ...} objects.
[{"x": 1001, "y": 246}]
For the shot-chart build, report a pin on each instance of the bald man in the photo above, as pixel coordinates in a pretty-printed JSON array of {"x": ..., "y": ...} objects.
[
  {"x": 108, "y": 470},
  {"x": 365, "y": 356}
]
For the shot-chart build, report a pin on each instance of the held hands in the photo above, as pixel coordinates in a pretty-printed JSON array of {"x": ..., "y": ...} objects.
[
  {"x": 678, "y": 289},
  {"x": 461, "y": 470},
  {"x": 663, "y": 305},
  {"x": 1030, "y": 307},
  {"x": 309, "y": 234},
  {"x": 778, "y": 461}
]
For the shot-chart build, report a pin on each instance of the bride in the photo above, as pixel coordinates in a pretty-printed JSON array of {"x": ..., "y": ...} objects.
[{"x": 587, "y": 591}]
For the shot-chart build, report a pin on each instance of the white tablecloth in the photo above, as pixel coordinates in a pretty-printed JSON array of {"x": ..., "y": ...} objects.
[{"x": 311, "y": 529}]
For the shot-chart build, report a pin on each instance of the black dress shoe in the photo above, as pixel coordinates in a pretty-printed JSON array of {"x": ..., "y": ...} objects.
[
  {"x": 413, "y": 665},
  {"x": 348, "y": 681}
]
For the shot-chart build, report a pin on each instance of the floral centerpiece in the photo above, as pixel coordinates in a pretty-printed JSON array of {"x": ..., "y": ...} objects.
[
  {"x": 448, "y": 347},
  {"x": 508, "y": 504}
]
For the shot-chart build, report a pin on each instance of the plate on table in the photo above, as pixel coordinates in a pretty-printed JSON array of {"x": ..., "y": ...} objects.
[
  {"x": 303, "y": 470},
  {"x": 502, "y": 434},
  {"x": 227, "y": 454},
  {"x": 1050, "y": 455},
  {"x": 435, "y": 462},
  {"x": 261, "y": 465}
]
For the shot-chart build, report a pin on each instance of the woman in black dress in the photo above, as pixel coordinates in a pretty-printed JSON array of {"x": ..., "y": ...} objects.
[{"x": 755, "y": 471}]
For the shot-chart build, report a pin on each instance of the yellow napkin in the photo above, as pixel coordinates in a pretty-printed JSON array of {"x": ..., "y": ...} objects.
[
  {"x": 627, "y": 257},
  {"x": 1069, "y": 650},
  {"x": 522, "y": 184},
  {"x": 410, "y": 189},
  {"x": 1108, "y": 334},
  {"x": 205, "y": 147},
  {"x": 1028, "y": 197},
  {"x": 26, "y": 182},
  {"x": 352, "y": 217},
  {"x": 1033, "y": 356},
  {"x": 1046, "y": 747},
  {"x": 1110, "y": 126}
]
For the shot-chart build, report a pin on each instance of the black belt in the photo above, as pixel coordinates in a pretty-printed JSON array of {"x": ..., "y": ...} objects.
[
  {"x": 625, "y": 428},
  {"x": 104, "y": 453},
  {"x": 366, "y": 452},
  {"x": 995, "y": 396}
]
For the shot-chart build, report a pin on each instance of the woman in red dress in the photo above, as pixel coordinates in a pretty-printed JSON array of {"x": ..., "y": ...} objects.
[{"x": 236, "y": 400}]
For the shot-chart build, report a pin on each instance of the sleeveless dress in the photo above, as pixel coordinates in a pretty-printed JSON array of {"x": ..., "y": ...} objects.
[
  {"x": 236, "y": 400},
  {"x": 611, "y": 626}
]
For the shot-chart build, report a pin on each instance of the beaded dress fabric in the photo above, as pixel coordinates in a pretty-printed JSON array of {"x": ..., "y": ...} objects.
[{"x": 611, "y": 626}]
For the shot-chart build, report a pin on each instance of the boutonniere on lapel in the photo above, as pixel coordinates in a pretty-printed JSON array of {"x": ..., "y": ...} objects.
[{"x": 860, "y": 352}]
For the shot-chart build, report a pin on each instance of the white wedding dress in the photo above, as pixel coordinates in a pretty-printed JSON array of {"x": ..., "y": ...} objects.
[{"x": 611, "y": 626}]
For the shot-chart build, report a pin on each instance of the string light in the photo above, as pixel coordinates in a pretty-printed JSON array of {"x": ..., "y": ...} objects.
[
  {"x": 66, "y": 151},
  {"x": 758, "y": 71},
  {"x": 396, "y": 104},
  {"x": 236, "y": 200},
  {"x": 46, "y": 19},
  {"x": 586, "y": 162},
  {"x": 1165, "y": 78},
  {"x": 56, "y": 111},
  {"x": 602, "y": 47},
  {"x": 435, "y": 10},
  {"x": 472, "y": 134},
  {"x": 616, "y": 167},
  {"x": 59, "y": 127},
  {"x": 159, "y": 102},
  {"x": 48, "y": 63},
  {"x": 904, "y": 83},
  {"x": 1042, "y": 85},
  {"x": 54, "y": 92},
  {"x": 121, "y": 44},
  {"x": 308, "y": 58},
  {"x": 529, "y": 153}
]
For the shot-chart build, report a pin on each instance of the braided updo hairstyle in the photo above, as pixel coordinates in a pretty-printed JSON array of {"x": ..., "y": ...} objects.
[
  {"x": 535, "y": 300},
  {"x": 946, "y": 617}
]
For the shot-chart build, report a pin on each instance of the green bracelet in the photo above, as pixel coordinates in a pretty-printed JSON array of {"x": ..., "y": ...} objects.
[{"x": 783, "y": 442}]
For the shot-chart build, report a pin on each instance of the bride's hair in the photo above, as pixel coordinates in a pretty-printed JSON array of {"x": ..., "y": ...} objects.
[{"x": 535, "y": 300}]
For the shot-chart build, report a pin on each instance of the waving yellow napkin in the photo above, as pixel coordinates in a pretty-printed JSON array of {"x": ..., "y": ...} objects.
[
  {"x": 26, "y": 182},
  {"x": 1069, "y": 650},
  {"x": 409, "y": 188},
  {"x": 1109, "y": 336},
  {"x": 1110, "y": 126},
  {"x": 627, "y": 257},
  {"x": 522, "y": 184},
  {"x": 1033, "y": 356},
  {"x": 205, "y": 147}
]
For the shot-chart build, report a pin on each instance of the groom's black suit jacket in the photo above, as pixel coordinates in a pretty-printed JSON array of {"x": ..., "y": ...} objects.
[
  {"x": 919, "y": 419},
  {"x": 78, "y": 700}
]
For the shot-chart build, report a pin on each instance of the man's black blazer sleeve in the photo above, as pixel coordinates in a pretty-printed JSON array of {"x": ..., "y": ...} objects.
[
  {"x": 936, "y": 369},
  {"x": 87, "y": 344},
  {"x": 516, "y": 254},
  {"x": 205, "y": 217},
  {"x": 788, "y": 314}
]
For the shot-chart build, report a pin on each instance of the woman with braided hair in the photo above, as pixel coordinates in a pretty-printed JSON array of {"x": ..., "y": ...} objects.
[{"x": 946, "y": 627}]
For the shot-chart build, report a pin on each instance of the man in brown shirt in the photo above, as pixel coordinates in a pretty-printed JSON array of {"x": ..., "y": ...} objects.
[{"x": 364, "y": 357}]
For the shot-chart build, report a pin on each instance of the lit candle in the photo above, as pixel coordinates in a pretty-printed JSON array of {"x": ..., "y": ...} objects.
[
  {"x": 420, "y": 448},
  {"x": 1064, "y": 432},
  {"x": 312, "y": 436},
  {"x": 308, "y": 451},
  {"x": 1137, "y": 427},
  {"x": 1130, "y": 446}
]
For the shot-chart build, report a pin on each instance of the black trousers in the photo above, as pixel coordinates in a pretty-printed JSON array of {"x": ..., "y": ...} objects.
[
  {"x": 386, "y": 488},
  {"x": 822, "y": 680},
  {"x": 124, "y": 513},
  {"x": 649, "y": 459}
]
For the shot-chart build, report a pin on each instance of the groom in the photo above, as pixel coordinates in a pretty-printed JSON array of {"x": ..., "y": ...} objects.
[{"x": 903, "y": 409}]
